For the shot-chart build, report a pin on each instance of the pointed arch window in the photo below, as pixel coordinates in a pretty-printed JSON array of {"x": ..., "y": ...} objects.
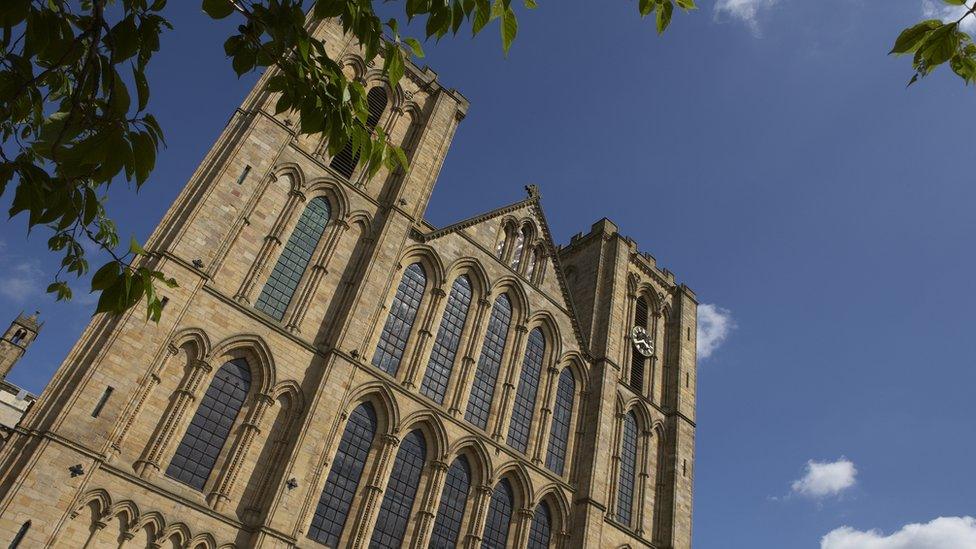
[
  {"x": 530, "y": 267},
  {"x": 211, "y": 424},
  {"x": 628, "y": 469},
  {"x": 517, "y": 250},
  {"x": 450, "y": 512},
  {"x": 485, "y": 376},
  {"x": 401, "y": 490},
  {"x": 347, "y": 468},
  {"x": 294, "y": 259},
  {"x": 399, "y": 323},
  {"x": 500, "y": 248},
  {"x": 528, "y": 388},
  {"x": 562, "y": 414},
  {"x": 345, "y": 162},
  {"x": 499, "y": 517},
  {"x": 540, "y": 532},
  {"x": 442, "y": 356},
  {"x": 637, "y": 360}
]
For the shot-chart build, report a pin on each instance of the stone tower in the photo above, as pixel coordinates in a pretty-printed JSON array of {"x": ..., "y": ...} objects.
[
  {"x": 335, "y": 371},
  {"x": 18, "y": 337}
]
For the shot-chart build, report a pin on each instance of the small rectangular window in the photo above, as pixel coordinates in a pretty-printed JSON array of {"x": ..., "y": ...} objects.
[
  {"x": 689, "y": 333},
  {"x": 684, "y": 467},
  {"x": 102, "y": 401},
  {"x": 247, "y": 170},
  {"x": 687, "y": 379}
]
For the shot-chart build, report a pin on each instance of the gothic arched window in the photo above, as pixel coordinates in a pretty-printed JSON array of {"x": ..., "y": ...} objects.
[
  {"x": 499, "y": 517},
  {"x": 528, "y": 387},
  {"x": 345, "y": 162},
  {"x": 347, "y": 467},
  {"x": 211, "y": 424},
  {"x": 401, "y": 490},
  {"x": 291, "y": 265},
  {"x": 445, "y": 348},
  {"x": 541, "y": 530},
  {"x": 637, "y": 360},
  {"x": 517, "y": 250},
  {"x": 403, "y": 311},
  {"x": 18, "y": 335},
  {"x": 628, "y": 469},
  {"x": 485, "y": 376},
  {"x": 450, "y": 512},
  {"x": 562, "y": 413}
]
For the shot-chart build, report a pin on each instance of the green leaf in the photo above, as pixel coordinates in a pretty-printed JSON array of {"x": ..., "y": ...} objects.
[
  {"x": 135, "y": 247},
  {"x": 909, "y": 40},
  {"x": 393, "y": 64},
  {"x": 664, "y": 16},
  {"x": 531, "y": 4},
  {"x": 509, "y": 29},
  {"x": 142, "y": 88},
  {"x": 645, "y": 7},
  {"x": 218, "y": 9},
  {"x": 414, "y": 46},
  {"x": 105, "y": 276}
]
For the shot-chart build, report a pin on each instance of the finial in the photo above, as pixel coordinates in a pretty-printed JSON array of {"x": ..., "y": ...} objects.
[{"x": 533, "y": 191}]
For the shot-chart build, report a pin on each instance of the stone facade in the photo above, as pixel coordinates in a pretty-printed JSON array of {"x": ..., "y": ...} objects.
[{"x": 93, "y": 464}]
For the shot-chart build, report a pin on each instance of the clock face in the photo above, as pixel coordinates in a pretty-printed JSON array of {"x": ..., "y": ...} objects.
[{"x": 642, "y": 341}]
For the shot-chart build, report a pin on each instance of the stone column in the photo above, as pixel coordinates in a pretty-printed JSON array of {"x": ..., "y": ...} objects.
[
  {"x": 458, "y": 396},
  {"x": 149, "y": 465},
  {"x": 544, "y": 415},
  {"x": 428, "y": 506},
  {"x": 424, "y": 337},
  {"x": 368, "y": 507},
  {"x": 642, "y": 483},
  {"x": 503, "y": 411},
  {"x": 478, "y": 516},
  {"x": 614, "y": 468},
  {"x": 316, "y": 273},
  {"x": 523, "y": 522},
  {"x": 220, "y": 493},
  {"x": 271, "y": 244}
]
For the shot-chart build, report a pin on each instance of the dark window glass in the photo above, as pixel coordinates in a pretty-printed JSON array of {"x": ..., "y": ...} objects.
[
  {"x": 208, "y": 430},
  {"x": 450, "y": 512},
  {"x": 394, "y": 514},
  {"x": 528, "y": 387},
  {"x": 347, "y": 467},
  {"x": 345, "y": 162},
  {"x": 499, "y": 517},
  {"x": 562, "y": 413},
  {"x": 638, "y": 360},
  {"x": 280, "y": 288},
  {"x": 445, "y": 348},
  {"x": 628, "y": 470},
  {"x": 541, "y": 530},
  {"x": 393, "y": 340},
  {"x": 483, "y": 389},
  {"x": 517, "y": 251}
]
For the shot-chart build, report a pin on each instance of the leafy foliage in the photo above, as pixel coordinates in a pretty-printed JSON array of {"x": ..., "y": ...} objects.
[{"x": 934, "y": 42}]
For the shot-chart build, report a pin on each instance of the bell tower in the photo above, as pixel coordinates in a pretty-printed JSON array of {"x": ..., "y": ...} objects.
[{"x": 18, "y": 337}]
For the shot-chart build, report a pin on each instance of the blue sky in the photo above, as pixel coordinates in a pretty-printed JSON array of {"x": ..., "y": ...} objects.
[{"x": 766, "y": 151}]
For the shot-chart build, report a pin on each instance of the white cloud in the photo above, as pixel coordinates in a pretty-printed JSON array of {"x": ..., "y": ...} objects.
[
  {"x": 746, "y": 11},
  {"x": 936, "y": 9},
  {"x": 941, "y": 533},
  {"x": 714, "y": 326},
  {"x": 825, "y": 478},
  {"x": 21, "y": 281}
]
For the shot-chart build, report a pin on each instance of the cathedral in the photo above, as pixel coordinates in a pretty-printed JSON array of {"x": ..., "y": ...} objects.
[{"x": 335, "y": 371}]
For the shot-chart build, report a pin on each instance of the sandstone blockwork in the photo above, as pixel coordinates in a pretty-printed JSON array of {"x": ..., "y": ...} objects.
[{"x": 335, "y": 371}]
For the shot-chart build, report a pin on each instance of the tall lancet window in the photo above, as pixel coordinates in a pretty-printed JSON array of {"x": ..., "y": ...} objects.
[
  {"x": 401, "y": 490},
  {"x": 485, "y": 376},
  {"x": 637, "y": 359},
  {"x": 517, "y": 250},
  {"x": 442, "y": 356},
  {"x": 291, "y": 265},
  {"x": 541, "y": 530},
  {"x": 628, "y": 469},
  {"x": 403, "y": 311},
  {"x": 347, "y": 467},
  {"x": 450, "y": 512},
  {"x": 211, "y": 424},
  {"x": 562, "y": 413},
  {"x": 345, "y": 162},
  {"x": 528, "y": 387},
  {"x": 499, "y": 517}
]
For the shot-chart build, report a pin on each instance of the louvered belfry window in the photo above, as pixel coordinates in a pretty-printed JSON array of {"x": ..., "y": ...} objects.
[
  {"x": 638, "y": 360},
  {"x": 541, "y": 530},
  {"x": 400, "y": 492},
  {"x": 399, "y": 323},
  {"x": 528, "y": 387},
  {"x": 450, "y": 512},
  {"x": 347, "y": 468},
  {"x": 442, "y": 356},
  {"x": 485, "y": 376},
  {"x": 294, "y": 259},
  {"x": 628, "y": 469},
  {"x": 499, "y": 517},
  {"x": 211, "y": 424},
  {"x": 345, "y": 162},
  {"x": 562, "y": 413}
]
